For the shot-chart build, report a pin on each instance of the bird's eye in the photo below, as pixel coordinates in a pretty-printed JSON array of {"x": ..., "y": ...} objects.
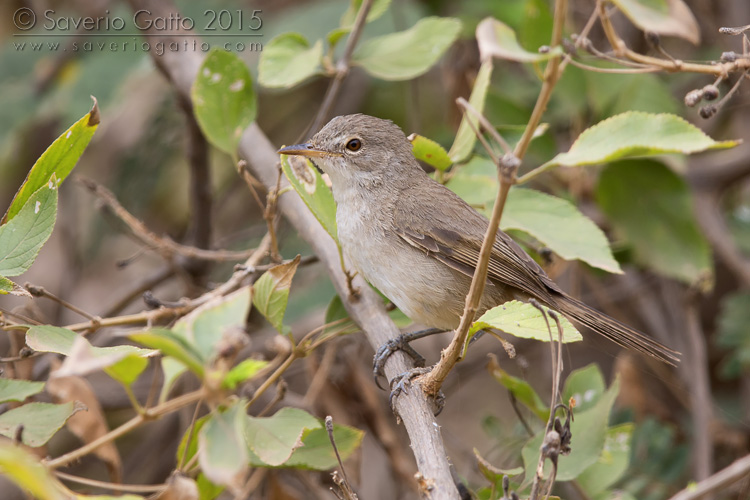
[{"x": 354, "y": 145}]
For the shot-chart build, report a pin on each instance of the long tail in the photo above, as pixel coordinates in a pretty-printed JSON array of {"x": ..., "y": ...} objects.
[{"x": 615, "y": 331}]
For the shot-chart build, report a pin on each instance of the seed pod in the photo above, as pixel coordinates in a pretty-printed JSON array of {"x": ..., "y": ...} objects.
[
  {"x": 693, "y": 97},
  {"x": 710, "y": 92}
]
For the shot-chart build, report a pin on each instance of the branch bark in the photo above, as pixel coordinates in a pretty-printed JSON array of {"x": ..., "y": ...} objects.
[{"x": 369, "y": 313}]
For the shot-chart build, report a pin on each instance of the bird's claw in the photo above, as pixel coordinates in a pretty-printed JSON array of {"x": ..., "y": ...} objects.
[
  {"x": 402, "y": 382},
  {"x": 400, "y": 343}
]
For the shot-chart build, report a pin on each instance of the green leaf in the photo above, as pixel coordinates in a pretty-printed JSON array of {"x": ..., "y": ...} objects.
[
  {"x": 223, "y": 98},
  {"x": 124, "y": 363},
  {"x": 636, "y": 134},
  {"x": 25, "y": 470},
  {"x": 272, "y": 440},
  {"x": 584, "y": 386},
  {"x": 244, "y": 370},
  {"x": 334, "y": 312},
  {"x": 651, "y": 207},
  {"x": 612, "y": 463},
  {"x": 430, "y": 152},
  {"x": 272, "y": 292},
  {"x": 206, "y": 326},
  {"x": 377, "y": 9},
  {"x": 191, "y": 434},
  {"x": 222, "y": 453},
  {"x": 589, "y": 430},
  {"x": 734, "y": 334},
  {"x": 664, "y": 17},
  {"x": 497, "y": 39},
  {"x": 288, "y": 59},
  {"x": 524, "y": 321},
  {"x": 40, "y": 421},
  {"x": 494, "y": 474},
  {"x": 23, "y": 237},
  {"x": 335, "y": 35},
  {"x": 206, "y": 489},
  {"x": 173, "y": 345},
  {"x": 58, "y": 160},
  {"x": 310, "y": 186},
  {"x": 18, "y": 390},
  {"x": 317, "y": 453},
  {"x": 407, "y": 54},
  {"x": 521, "y": 389},
  {"x": 465, "y": 139},
  {"x": 559, "y": 225},
  {"x": 9, "y": 287}
]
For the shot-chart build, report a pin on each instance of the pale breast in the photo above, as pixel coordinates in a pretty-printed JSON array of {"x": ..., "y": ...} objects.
[{"x": 426, "y": 290}]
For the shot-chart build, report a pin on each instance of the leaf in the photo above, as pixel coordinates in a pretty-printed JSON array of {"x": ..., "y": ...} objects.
[
  {"x": 9, "y": 287},
  {"x": 191, "y": 434},
  {"x": 559, "y": 225},
  {"x": 465, "y": 139},
  {"x": 636, "y": 134},
  {"x": 497, "y": 39},
  {"x": 171, "y": 344},
  {"x": 25, "y": 470},
  {"x": 589, "y": 430},
  {"x": 430, "y": 152},
  {"x": 23, "y": 237},
  {"x": 124, "y": 363},
  {"x": 734, "y": 335},
  {"x": 407, "y": 54},
  {"x": 335, "y": 312},
  {"x": 206, "y": 489},
  {"x": 223, "y": 98},
  {"x": 244, "y": 371},
  {"x": 272, "y": 292},
  {"x": 664, "y": 17},
  {"x": 288, "y": 59},
  {"x": 208, "y": 325},
  {"x": 58, "y": 160},
  {"x": 651, "y": 207},
  {"x": 584, "y": 386},
  {"x": 524, "y": 321},
  {"x": 521, "y": 389},
  {"x": 222, "y": 453},
  {"x": 317, "y": 452},
  {"x": 494, "y": 474},
  {"x": 40, "y": 421},
  {"x": 273, "y": 439},
  {"x": 377, "y": 9},
  {"x": 310, "y": 186},
  {"x": 18, "y": 390},
  {"x": 612, "y": 463}
]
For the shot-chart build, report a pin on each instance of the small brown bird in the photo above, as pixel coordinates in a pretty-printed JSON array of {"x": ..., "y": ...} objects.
[{"x": 418, "y": 242}]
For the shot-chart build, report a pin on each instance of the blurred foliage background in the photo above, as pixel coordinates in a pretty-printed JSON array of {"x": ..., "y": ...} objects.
[{"x": 139, "y": 153}]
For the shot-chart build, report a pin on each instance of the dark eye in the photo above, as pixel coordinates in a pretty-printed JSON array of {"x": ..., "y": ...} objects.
[{"x": 354, "y": 145}]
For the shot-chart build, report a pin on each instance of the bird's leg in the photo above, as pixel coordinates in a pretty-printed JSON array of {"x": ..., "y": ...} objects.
[
  {"x": 402, "y": 382},
  {"x": 400, "y": 343}
]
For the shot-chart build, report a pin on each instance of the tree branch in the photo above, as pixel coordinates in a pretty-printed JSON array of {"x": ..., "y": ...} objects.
[{"x": 369, "y": 312}]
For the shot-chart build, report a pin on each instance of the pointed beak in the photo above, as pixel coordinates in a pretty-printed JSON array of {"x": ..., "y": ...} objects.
[{"x": 305, "y": 149}]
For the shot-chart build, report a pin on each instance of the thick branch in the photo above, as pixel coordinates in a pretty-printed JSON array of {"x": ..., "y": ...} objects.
[{"x": 369, "y": 312}]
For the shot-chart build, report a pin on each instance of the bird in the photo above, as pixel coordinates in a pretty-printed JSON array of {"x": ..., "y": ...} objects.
[{"x": 418, "y": 242}]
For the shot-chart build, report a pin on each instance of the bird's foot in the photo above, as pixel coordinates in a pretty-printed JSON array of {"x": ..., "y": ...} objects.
[
  {"x": 400, "y": 343},
  {"x": 401, "y": 384}
]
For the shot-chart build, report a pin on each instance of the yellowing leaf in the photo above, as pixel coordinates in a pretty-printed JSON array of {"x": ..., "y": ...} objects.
[
  {"x": 272, "y": 292},
  {"x": 663, "y": 17}
]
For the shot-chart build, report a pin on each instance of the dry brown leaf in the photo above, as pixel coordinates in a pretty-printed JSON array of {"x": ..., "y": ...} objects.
[{"x": 87, "y": 425}]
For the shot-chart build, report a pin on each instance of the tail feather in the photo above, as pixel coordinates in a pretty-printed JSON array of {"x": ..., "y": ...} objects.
[{"x": 615, "y": 331}]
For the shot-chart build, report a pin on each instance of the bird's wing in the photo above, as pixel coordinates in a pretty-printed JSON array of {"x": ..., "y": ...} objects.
[{"x": 435, "y": 230}]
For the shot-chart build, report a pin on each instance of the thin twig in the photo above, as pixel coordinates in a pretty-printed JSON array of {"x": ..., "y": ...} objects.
[
  {"x": 40, "y": 291},
  {"x": 739, "y": 469},
  {"x": 150, "y": 414},
  {"x": 342, "y": 69},
  {"x": 507, "y": 177},
  {"x": 133, "y": 488},
  {"x": 163, "y": 245},
  {"x": 485, "y": 124}
]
